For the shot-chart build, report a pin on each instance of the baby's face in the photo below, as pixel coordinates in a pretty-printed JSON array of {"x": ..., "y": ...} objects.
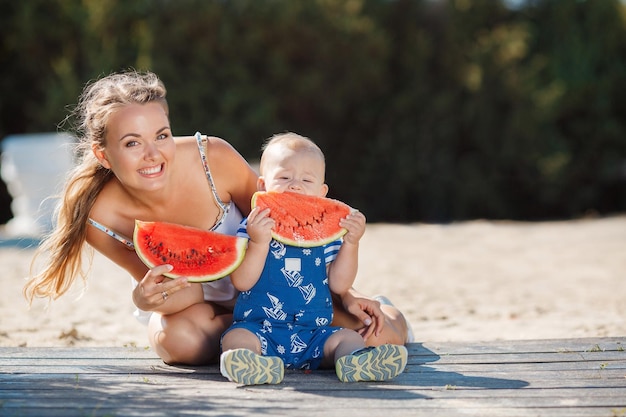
[{"x": 298, "y": 172}]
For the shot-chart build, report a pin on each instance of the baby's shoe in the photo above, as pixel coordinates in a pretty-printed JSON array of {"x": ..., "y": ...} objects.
[
  {"x": 379, "y": 363},
  {"x": 243, "y": 366}
]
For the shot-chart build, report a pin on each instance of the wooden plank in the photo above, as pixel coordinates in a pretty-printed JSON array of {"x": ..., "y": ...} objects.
[
  {"x": 434, "y": 349},
  {"x": 319, "y": 403},
  {"x": 343, "y": 407},
  {"x": 211, "y": 411},
  {"x": 504, "y": 378},
  {"x": 218, "y": 387},
  {"x": 416, "y": 355},
  {"x": 97, "y": 353},
  {"x": 486, "y": 359},
  {"x": 395, "y": 400},
  {"x": 579, "y": 377},
  {"x": 525, "y": 346},
  {"x": 142, "y": 366}
]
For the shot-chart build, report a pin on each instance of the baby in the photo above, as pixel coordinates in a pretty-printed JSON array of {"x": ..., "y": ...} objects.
[{"x": 283, "y": 314}]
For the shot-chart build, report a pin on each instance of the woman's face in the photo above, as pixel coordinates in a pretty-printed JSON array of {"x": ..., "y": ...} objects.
[{"x": 139, "y": 145}]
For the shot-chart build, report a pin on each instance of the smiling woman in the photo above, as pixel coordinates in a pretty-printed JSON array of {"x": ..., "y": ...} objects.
[{"x": 133, "y": 168}]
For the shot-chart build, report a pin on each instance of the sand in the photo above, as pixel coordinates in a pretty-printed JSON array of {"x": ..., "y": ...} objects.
[{"x": 466, "y": 281}]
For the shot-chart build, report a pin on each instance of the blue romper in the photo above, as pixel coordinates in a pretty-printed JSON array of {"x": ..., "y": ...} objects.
[{"x": 290, "y": 307}]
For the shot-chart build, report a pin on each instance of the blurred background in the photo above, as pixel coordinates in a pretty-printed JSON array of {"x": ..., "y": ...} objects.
[{"x": 427, "y": 110}]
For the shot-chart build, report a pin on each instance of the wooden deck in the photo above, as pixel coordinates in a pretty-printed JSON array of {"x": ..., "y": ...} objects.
[{"x": 567, "y": 377}]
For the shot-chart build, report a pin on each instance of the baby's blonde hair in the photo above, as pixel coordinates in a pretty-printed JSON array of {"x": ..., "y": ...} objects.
[
  {"x": 64, "y": 244},
  {"x": 291, "y": 141}
]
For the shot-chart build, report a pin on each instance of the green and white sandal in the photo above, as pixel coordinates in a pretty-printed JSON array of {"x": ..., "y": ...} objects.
[
  {"x": 379, "y": 363},
  {"x": 243, "y": 366}
]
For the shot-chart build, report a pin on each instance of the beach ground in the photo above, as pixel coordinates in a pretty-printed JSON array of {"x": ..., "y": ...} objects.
[{"x": 466, "y": 281}]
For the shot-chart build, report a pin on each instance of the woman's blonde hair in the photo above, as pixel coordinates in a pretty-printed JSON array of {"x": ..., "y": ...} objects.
[{"x": 64, "y": 245}]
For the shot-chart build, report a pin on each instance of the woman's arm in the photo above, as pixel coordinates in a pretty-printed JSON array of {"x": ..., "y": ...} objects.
[
  {"x": 363, "y": 313},
  {"x": 148, "y": 294}
]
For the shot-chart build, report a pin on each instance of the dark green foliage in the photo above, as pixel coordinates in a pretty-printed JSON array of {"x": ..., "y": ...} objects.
[{"x": 427, "y": 110}]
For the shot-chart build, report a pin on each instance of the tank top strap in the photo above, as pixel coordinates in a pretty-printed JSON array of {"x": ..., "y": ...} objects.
[
  {"x": 129, "y": 243},
  {"x": 202, "y": 145}
]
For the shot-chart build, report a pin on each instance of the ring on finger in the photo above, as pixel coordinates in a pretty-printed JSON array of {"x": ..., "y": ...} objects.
[{"x": 164, "y": 294}]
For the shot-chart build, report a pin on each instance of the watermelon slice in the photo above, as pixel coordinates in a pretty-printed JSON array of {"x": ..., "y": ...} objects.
[
  {"x": 303, "y": 220},
  {"x": 200, "y": 255}
]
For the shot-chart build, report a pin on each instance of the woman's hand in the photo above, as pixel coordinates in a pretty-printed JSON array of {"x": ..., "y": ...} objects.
[
  {"x": 367, "y": 311},
  {"x": 155, "y": 288}
]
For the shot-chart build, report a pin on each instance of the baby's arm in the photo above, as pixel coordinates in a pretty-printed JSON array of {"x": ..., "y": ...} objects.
[
  {"x": 342, "y": 271},
  {"x": 260, "y": 231}
]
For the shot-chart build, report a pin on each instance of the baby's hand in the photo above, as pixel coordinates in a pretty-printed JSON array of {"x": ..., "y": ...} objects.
[
  {"x": 354, "y": 223},
  {"x": 260, "y": 225}
]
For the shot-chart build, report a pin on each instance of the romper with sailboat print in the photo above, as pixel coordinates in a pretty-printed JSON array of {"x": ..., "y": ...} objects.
[{"x": 290, "y": 306}]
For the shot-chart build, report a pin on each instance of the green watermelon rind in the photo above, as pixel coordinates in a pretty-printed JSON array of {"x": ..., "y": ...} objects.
[
  {"x": 240, "y": 248},
  {"x": 303, "y": 243}
]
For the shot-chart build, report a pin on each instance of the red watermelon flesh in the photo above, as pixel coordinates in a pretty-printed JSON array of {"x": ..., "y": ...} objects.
[
  {"x": 303, "y": 220},
  {"x": 200, "y": 255}
]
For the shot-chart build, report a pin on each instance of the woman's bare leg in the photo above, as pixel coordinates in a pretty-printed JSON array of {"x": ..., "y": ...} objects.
[{"x": 190, "y": 337}]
